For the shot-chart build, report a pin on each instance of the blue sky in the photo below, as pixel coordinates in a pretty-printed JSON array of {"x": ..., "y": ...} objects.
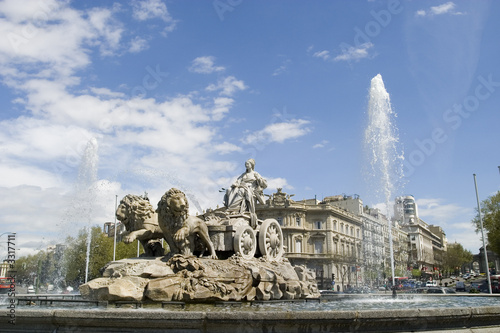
[{"x": 181, "y": 93}]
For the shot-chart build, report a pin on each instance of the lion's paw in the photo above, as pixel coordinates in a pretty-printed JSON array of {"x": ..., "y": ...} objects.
[{"x": 180, "y": 235}]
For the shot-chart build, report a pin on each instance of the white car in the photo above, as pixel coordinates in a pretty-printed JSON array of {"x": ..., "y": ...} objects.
[
  {"x": 31, "y": 290},
  {"x": 431, "y": 284}
]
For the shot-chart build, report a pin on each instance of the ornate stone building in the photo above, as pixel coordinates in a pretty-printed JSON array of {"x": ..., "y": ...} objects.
[
  {"x": 321, "y": 236},
  {"x": 339, "y": 236},
  {"x": 376, "y": 248}
]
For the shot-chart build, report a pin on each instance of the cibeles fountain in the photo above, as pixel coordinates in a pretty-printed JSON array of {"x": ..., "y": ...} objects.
[
  {"x": 229, "y": 269},
  {"x": 226, "y": 254}
]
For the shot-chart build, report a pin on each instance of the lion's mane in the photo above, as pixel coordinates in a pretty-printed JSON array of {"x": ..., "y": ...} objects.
[
  {"x": 166, "y": 215},
  {"x": 137, "y": 211}
]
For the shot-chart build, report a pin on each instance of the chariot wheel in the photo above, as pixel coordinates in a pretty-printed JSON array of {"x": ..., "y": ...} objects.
[
  {"x": 271, "y": 239},
  {"x": 244, "y": 242}
]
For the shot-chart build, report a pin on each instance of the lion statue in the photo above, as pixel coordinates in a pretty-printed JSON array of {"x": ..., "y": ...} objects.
[
  {"x": 183, "y": 233},
  {"x": 141, "y": 222}
]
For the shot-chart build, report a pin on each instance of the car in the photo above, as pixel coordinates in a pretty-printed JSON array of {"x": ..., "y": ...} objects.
[
  {"x": 453, "y": 277},
  {"x": 466, "y": 276},
  {"x": 31, "y": 289},
  {"x": 460, "y": 286},
  {"x": 431, "y": 284},
  {"x": 481, "y": 286}
]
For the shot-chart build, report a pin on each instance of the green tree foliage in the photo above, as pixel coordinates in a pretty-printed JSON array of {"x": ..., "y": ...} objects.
[
  {"x": 455, "y": 257},
  {"x": 27, "y": 267},
  {"x": 490, "y": 211},
  {"x": 68, "y": 269},
  {"x": 101, "y": 252}
]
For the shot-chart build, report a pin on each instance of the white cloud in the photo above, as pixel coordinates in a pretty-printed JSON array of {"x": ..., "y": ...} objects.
[
  {"x": 221, "y": 107},
  {"x": 354, "y": 53},
  {"x": 455, "y": 221},
  {"x": 153, "y": 9},
  {"x": 443, "y": 9},
  {"x": 138, "y": 44},
  {"x": 446, "y": 8},
  {"x": 283, "y": 68},
  {"x": 325, "y": 55},
  {"x": 53, "y": 40},
  {"x": 435, "y": 210},
  {"x": 322, "y": 144},
  {"x": 274, "y": 183},
  {"x": 227, "y": 86},
  {"x": 278, "y": 132},
  {"x": 205, "y": 65},
  {"x": 226, "y": 148}
]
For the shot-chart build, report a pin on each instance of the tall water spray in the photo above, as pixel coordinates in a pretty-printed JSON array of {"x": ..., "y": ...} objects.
[
  {"x": 383, "y": 150},
  {"x": 87, "y": 176}
]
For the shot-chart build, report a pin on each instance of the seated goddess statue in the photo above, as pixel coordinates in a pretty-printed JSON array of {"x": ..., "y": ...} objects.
[{"x": 245, "y": 191}]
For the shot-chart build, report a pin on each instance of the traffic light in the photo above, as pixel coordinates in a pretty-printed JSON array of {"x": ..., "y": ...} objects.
[{"x": 333, "y": 276}]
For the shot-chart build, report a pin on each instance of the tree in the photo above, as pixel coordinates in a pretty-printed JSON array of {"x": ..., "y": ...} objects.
[
  {"x": 490, "y": 210},
  {"x": 26, "y": 267},
  {"x": 101, "y": 252},
  {"x": 455, "y": 257},
  {"x": 68, "y": 267}
]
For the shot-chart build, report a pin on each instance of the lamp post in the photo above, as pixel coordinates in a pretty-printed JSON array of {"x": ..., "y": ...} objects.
[{"x": 482, "y": 233}]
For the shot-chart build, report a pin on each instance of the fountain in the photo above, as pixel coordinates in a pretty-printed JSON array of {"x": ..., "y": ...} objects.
[
  {"x": 381, "y": 144},
  {"x": 87, "y": 176},
  {"x": 240, "y": 281}
]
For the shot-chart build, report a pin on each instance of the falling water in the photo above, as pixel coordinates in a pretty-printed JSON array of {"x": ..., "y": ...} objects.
[
  {"x": 382, "y": 146},
  {"x": 87, "y": 176}
]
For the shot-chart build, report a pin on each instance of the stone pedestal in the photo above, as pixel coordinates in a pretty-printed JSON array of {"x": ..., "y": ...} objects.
[{"x": 183, "y": 278}]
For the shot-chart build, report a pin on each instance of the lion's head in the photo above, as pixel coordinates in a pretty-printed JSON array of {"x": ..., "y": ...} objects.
[
  {"x": 133, "y": 211},
  {"x": 173, "y": 206}
]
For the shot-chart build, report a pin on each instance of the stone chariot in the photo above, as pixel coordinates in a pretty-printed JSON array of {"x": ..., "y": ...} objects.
[{"x": 233, "y": 234}]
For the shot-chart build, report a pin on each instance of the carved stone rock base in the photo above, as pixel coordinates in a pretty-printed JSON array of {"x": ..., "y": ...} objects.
[{"x": 193, "y": 279}]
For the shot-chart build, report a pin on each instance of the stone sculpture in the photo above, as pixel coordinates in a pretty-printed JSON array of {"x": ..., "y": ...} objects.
[
  {"x": 245, "y": 192},
  {"x": 184, "y": 233},
  {"x": 192, "y": 279},
  {"x": 141, "y": 222},
  {"x": 253, "y": 269}
]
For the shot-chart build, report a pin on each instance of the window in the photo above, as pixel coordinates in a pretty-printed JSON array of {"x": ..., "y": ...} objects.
[
  {"x": 341, "y": 228},
  {"x": 318, "y": 224},
  {"x": 335, "y": 248},
  {"x": 297, "y": 221},
  {"x": 318, "y": 246},
  {"x": 357, "y": 233},
  {"x": 335, "y": 225},
  {"x": 352, "y": 231},
  {"x": 280, "y": 220},
  {"x": 298, "y": 245}
]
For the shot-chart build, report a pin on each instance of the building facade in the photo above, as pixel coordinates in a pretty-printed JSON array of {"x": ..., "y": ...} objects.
[
  {"x": 427, "y": 243},
  {"x": 321, "y": 236}
]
